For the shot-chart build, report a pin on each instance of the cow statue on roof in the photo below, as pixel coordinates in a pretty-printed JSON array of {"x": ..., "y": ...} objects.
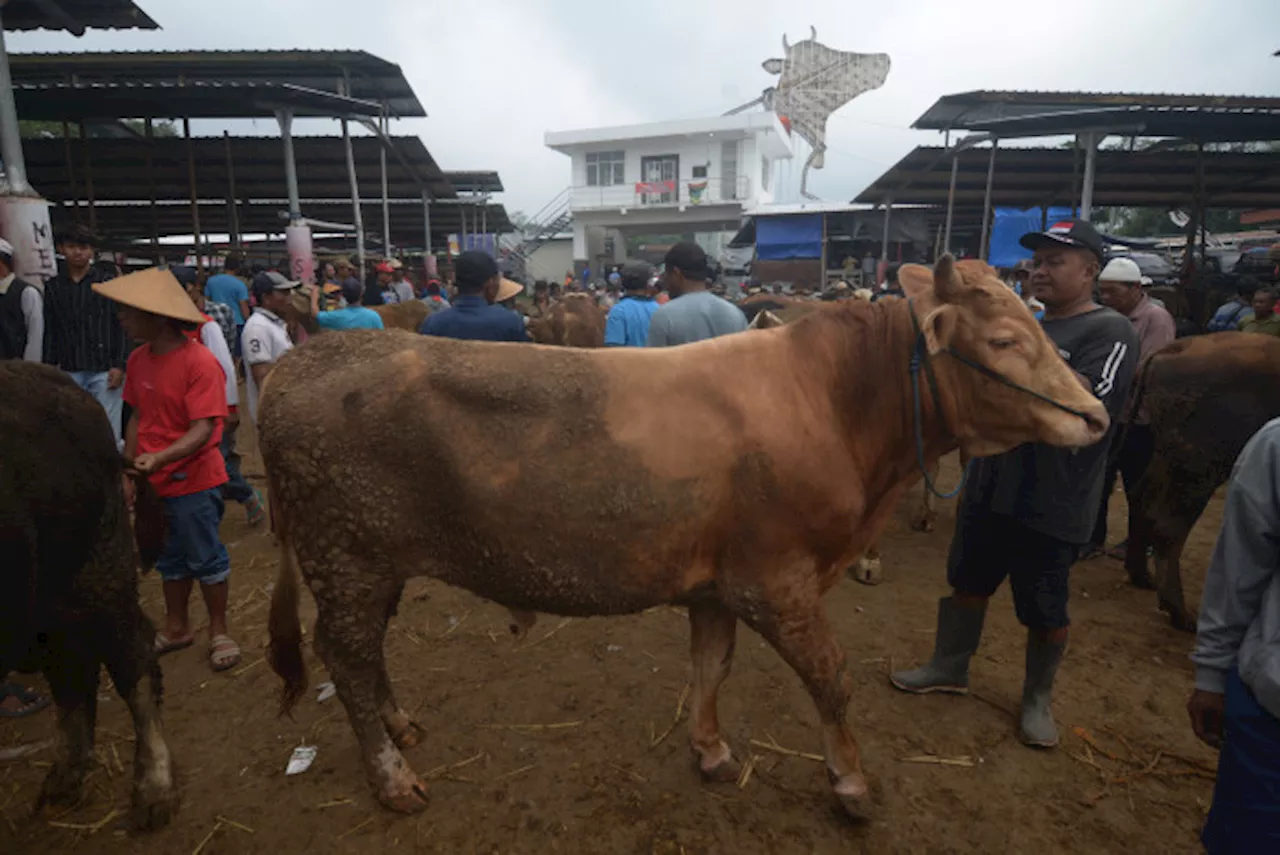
[{"x": 814, "y": 82}]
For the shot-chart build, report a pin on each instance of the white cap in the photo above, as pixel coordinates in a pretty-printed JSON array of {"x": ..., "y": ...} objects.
[
  {"x": 1121, "y": 270},
  {"x": 6, "y": 248}
]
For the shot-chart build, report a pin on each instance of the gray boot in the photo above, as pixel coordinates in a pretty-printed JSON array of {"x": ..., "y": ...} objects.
[
  {"x": 1043, "y": 657},
  {"x": 959, "y": 630}
]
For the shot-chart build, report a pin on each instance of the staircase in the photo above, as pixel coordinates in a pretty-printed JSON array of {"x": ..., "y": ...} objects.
[{"x": 553, "y": 219}]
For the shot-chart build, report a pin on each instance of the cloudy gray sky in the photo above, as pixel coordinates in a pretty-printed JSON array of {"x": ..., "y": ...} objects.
[{"x": 494, "y": 75}]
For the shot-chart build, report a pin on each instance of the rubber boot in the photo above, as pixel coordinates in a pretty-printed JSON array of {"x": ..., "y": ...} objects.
[
  {"x": 1036, "y": 727},
  {"x": 959, "y": 631}
]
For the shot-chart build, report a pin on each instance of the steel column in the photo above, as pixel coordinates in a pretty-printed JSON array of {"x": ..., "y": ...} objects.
[
  {"x": 285, "y": 118},
  {"x": 71, "y": 169},
  {"x": 234, "y": 209},
  {"x": 191, "y": 180},
  {"x": 357, "y": 215},
  {"x": 426, "y": 227},
  {"x": 951, "y": 201},
  {"x": 986, "y": 200},
  {"x": 386, "y": 208},
  {"x": 149, "y": 133},
  {"x": 88, "y": 176},
  {"x": 884, "y": 237},
  {"x": 15, "y": 166},
  {"x": 1090, "y": 166}
]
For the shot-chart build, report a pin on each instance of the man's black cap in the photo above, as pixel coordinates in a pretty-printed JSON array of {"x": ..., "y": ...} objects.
[
  {"x": 1070, "y": 232},
  {"x": 636, "y": 276},
  {"x": 474, "y": 268},
  {"x": 184, "y": 274},
  {"x": 689, "y": 259}
]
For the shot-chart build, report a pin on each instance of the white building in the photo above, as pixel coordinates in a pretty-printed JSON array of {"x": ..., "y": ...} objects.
[{"x": 688, "y": 177}]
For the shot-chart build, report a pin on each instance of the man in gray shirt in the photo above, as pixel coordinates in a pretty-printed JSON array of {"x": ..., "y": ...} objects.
[
  {"x": 1236, "y": 703},
  {"x": 693, "y": 313}
]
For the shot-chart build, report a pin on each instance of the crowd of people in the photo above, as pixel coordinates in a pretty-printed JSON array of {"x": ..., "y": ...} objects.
[{"x": 164, "y": 351}]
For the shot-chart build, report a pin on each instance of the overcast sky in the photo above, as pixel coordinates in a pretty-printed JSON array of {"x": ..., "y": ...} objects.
[{"x": 494, "y": 75}]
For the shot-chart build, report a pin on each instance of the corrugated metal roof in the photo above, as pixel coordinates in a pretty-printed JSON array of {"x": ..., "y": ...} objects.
[{"x": 79, "y": 15}]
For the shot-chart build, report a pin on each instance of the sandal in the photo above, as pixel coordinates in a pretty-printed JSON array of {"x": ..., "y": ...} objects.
[
  {"x": 224, "y": 653},
  {"x": 164, "y": 644},
  {"x": 255, "y": 509},
  {"x": 32, "y": 702}
]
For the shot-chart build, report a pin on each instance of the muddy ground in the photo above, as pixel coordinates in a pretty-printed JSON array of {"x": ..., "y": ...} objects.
[{"x": 562, "y": 742}]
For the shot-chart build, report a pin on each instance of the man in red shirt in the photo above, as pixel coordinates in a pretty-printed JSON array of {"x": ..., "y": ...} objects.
[{"x": 178, "y": 395}]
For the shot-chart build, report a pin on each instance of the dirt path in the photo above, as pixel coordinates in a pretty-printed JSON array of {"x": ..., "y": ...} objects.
[{"x": 590, "y": 778}]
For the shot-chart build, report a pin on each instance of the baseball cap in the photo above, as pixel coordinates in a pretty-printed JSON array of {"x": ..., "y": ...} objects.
[
  {"x": 385, "y": 267},
  {"x": 268, "y": 281},
  {"x": 689, "y": 258},
  {"x": 1121, "y": 270},
  {"x": 352, "y": 290},
  {"x": 185, "y": 274},
  {"x": 474, "y": 268},
  {"x": 1070, "y": 232}
]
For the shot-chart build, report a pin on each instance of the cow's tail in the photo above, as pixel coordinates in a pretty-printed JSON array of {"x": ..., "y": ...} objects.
[
  {"x": 1139, "y": 392},
  {"x": 284, "y": 626}
]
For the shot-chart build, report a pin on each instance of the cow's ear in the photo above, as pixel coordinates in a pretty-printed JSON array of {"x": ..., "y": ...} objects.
[
  {"x": 916, "y": 281},
  {"x": 946, "y": 279},
  {"x": 938, "y": 328}
]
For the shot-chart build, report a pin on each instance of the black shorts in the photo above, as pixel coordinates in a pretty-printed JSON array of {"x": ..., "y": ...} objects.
[{"x": 988, "y": 548}]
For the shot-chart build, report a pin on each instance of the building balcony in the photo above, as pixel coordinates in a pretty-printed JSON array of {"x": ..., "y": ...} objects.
[{"x": 683, "y": 194}]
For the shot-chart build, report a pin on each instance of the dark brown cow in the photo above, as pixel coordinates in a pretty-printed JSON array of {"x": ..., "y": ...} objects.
[
  {"x": 575, "y": 321},
  {"x": 1206, "y": 397},
  {"x": 737, "y": 476},
  {"x": 69, "y": 579}
]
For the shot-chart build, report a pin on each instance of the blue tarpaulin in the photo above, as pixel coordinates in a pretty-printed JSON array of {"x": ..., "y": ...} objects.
[
  {"x": 1010, "y": 225},
  {"x": 783, "y": 238}
]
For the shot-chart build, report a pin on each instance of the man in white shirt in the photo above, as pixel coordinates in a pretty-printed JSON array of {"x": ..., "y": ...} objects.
[
  {"x": 21, "y": 313},
  {"x": 266, "y": 336}
]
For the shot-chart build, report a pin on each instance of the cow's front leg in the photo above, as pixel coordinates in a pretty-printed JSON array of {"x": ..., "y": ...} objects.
[
  {"x": 73, "y": 675},
  {"x": 867, "y": 569},
  {"x": 712, "y": 630},
  {"x": 803, "y": 637},
  {"x": 350, "y": 632},
  {"x": 132, "y": 663}
]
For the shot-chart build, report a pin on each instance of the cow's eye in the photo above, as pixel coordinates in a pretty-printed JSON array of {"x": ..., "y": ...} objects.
[{"x": 1003, "y": 343}]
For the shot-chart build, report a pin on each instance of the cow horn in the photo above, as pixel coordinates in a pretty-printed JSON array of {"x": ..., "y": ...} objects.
[
  {"x": 813, "y": 33},
  {"x": 785, "y": 46}
]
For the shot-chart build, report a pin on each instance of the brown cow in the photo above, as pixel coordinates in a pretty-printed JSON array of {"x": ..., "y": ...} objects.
[
  {"x": 408, "y": 315},
  {"x": 574, "y": 321},
  {"x": 1206, "y": 397},
  {"x": 736, "y": 476}
]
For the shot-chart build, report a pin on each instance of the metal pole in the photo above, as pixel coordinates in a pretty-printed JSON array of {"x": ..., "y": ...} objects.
[
  {"x": 1090, "y": 166},
  {"x": 1075, "y": 178},
  {"x": 386, "y": 209},
  {"x": 484, "y": 214},
  {"x": 149, "y": 133},
  {"x": 986, "y": 200},
  {"x": 356, "y": 216},
  {"x": 71, "y": 168},
  {"x": 88, "y": 176},
  {"x": 884, "y": 237},
  {"x": 191, "y": 180},
  {"x": 285, "y": 118},
  {"x": 951, "y": 201},
  {"x": 426, "y": 227},
  {"x": 234, "y": 210},
  {"x": 15, "y": 167}
]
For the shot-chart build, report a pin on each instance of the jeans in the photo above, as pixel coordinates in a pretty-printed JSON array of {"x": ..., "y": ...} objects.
[
  {"x": 1245, "y": 816},
  {"x": 236, "y": 489},
  {"x": 192, "y": 547},
  {"x": 112, "y": 400}
]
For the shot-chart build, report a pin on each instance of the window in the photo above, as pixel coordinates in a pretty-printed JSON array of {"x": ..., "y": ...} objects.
[
  {"x": 604, "y": 168},
  {"x": 699, "y": 172}
]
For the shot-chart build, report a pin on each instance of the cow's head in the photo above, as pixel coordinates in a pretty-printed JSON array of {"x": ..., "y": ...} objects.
[{"x": 964, "y": 308}]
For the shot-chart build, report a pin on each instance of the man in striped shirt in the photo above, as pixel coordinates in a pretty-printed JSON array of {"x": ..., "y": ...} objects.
[
  {"x": 82, "y": 335},
  {"x": 1026, "y": 514}
]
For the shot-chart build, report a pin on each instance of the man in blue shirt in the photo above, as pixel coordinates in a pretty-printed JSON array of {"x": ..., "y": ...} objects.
[
  {"x": 473, "y": 315},
  {"x": 353, "y": 317},
  {"x": 229, "y": 289},
  {"x": 628, "y": 324}
]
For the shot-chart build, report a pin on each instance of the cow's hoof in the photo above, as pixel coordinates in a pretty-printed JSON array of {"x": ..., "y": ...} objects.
[
  {"x": 412, "y": 799},
  {"x": 922, "y": 521},
  {"x": 411, "y": 735},
  {"x": 717, "y": 766},
  {"x": 1181, "y": 622},
  {"x": 853, "y": 795},
  {"x": 1141, "y": 579},
  {"x": 867, "y": 571},
  {"x": 62, "y": 787},
  {"x": 152, "y": 810}
]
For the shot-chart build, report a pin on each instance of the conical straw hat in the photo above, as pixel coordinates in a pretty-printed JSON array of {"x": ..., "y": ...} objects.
[{"x": 152, "y": 290}]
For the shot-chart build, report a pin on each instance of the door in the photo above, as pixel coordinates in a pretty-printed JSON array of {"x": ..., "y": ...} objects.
[
  {"x": 659, "y": 174},
  {"x": 729, "y": 170}
]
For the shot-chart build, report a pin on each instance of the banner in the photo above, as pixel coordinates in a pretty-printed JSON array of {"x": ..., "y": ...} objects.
[
  {"x": 655, "y": 187},
  {"x": 696, "y": 191}
]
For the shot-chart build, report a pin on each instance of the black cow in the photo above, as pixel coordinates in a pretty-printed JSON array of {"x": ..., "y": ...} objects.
[
  {"x": 68, "y": 578},
  {"x": 1206, "y": 397}
]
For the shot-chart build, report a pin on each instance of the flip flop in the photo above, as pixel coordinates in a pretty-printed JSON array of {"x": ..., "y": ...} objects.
[
  {"x": 224, "y": 653},
  {"x": 32, "y": 702},
  {"x": 164, "y": 644}
]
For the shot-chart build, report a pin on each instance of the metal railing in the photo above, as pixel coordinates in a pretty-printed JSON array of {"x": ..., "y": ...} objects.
[{"x": 653, "y": 194}]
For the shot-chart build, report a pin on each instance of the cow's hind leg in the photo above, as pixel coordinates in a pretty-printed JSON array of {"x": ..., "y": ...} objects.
[
  {"x": 803, "y": 637},
  {"x": 351, "y": 627},
  {"x": 405, "y": 732},
  {"x": 712, "y": 630},
  {"x": 131, "y": 661},
  {"x": 72, "y": 673}
]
